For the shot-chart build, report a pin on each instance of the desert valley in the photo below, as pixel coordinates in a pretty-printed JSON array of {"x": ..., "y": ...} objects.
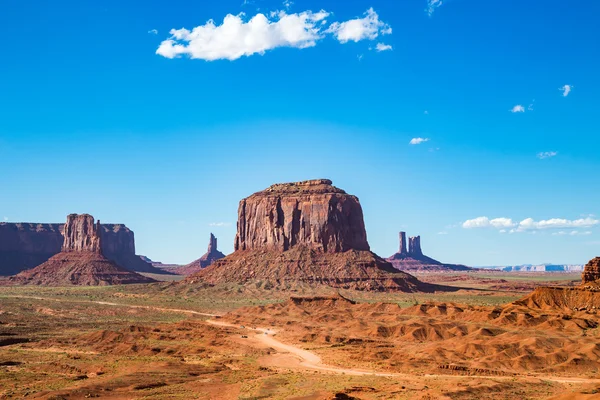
[{"x": 302, "y": 309}]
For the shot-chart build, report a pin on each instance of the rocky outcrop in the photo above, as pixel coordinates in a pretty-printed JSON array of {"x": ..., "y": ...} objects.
[
  {"x": 81, "y": 261},
  {"x": 81, "y": 234},
  {"x": 314, "y": 214},
  {"x": 591, "y": 272},
  {"x": 27, "y": 245},
  {"x": 302, "y": 233},
  {"x": 212, "y": 255},
  {"x": 413, "y": 259}
]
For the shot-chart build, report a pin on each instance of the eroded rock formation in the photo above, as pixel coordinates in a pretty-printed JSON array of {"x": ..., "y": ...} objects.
[
  {"x": 591, "y": 272},
  {"x": 311, "y": 213},
  {"x": 81, "y": 261},
  {"x": 27, "y": 245},
  {"x": 81, "y": 234},
  {"x": 306, "y": 232},
  {"x": 413, "y": 259},
  {"x": 403, "y": 245},
  {"x": 414, "y": 246},
  {"x": 212, "y": 255}
]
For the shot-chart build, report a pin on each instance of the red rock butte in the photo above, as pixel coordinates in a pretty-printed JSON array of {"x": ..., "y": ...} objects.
[
  {"x": 305, "y": 232},
  {"x": 312, "y": 213},
  {"x": 81, "y": 260}
]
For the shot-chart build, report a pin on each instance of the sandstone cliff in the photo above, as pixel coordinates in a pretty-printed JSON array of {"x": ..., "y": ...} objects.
[
  {"x": 591, "y": 272},
  {"x": 306, "y": 232},
  {"x": 80, "y": 262},
  {"x": 211, "y": 255},
  {"x": 312, "y": 213}
]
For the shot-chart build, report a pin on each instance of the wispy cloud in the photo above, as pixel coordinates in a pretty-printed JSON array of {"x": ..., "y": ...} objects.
[
  {"x": 572, "y": 233},
  {"x": 442, "y": 233},
  {"x": 566, "y": 89},
  {"x": 383, "y": 47},
  {"x": 5, "y": 219},
  {"x": 529, "y": 224},
  {"x": 360, "y": 57},
  {"x": 432, "y": 5},
  {"x": 547, "y": 154},
  {"x": 287, "y": 4},
  {"x": 517, "y": 109},
  {"x": 237, "y": 37},
  {"x": 221, "y": 224},
  {"x": 153, "y": 31},
  {"x": 418, "y": 140}
]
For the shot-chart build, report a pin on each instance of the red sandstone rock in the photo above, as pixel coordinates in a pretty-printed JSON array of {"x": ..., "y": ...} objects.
[
  {"x": 305, "y": 233},
  {"x": 312, "y": 213},
  {"x": 81, "y": 261},
  {"x": 81, "y": 234},
  {"x": 591, "y": 272}
]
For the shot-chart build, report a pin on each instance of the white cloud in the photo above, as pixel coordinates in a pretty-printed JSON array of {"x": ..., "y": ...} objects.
[
  {"x": 432, "y": 5},
  {"x": 485, "y": 222},
  {"x": 557, "y": 223},
  {"x": 518, "y": 108},
  {"x": 369, "y": 27},
  {"x": 220, "y": 224},
  {"x": 153, "y": 31},
  {"x": 237, "y": 37},
  {"x": 547, "y": 154},
  {"x": 5, "y": 219},
  {"x": 566, "y": 89},
  {"x": 442, "y": 233},
  {"x": 529, "y": 224},
  {"x": 530, "y": 107},
  {"x": 418, "y": 140},
  {"x": 360, "y": 57},
  {"x": 287, "y": 4},
  {"x": 383, "y": 47}
]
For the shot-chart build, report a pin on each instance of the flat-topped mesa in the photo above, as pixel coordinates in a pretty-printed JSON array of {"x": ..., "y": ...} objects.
[
  {"x": 314, "y": 214},
  {"x": 414, "y": 248},
  {"x": 591, "y": 272},
  {"x": 402, "y": 248},
  {"x": 81, "y": 234}
]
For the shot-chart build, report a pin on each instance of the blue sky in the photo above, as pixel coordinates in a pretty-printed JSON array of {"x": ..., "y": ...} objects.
[{"x": 94, "y": 120}]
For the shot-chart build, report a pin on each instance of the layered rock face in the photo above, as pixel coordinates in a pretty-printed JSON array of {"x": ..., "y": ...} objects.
[
  {"x": 306, "y": 232},
  {"x": 312, "y": 213},
  {"x": 212, "y": 255},
  {"x": 81, "y": 261},
  {"x": 413, "y": 259},
  {"x": 591, "y": 272},
  {"x": 27, "y": 245}
]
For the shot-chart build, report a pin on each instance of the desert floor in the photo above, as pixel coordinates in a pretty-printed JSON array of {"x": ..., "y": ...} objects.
[{"x": 168, "y": 341}]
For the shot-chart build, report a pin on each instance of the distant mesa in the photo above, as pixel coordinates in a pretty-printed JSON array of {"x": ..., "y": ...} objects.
[
  {"x": 80, "y": 261},
  {"x": 27, "y": 245},
  {"x": 410, "y": 258},
  {"x": 212, "y": 255},
  {"x": 305, "y": 232}
]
